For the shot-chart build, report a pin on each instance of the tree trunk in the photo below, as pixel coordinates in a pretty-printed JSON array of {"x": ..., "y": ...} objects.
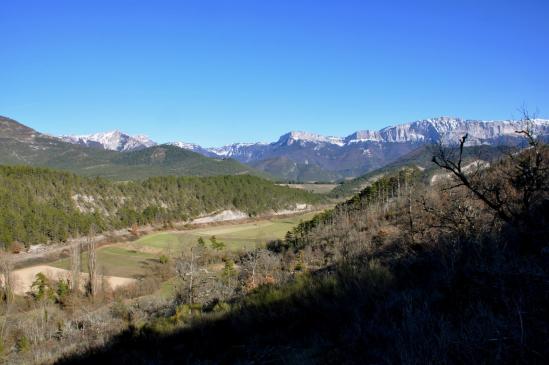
[
  {"x": 410, "y": 217},
  {"x": 92, "y": 264},
  {"x": 76, "y": 267},
  {"x": 191, "y": 273}
]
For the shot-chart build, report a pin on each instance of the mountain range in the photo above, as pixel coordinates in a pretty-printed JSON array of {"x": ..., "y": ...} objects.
[
  {"x": 304, "y": 156},
  {"x": 21, "y": 145}
]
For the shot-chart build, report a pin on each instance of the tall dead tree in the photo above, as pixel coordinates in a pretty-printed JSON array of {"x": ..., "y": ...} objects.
[
  {"x": 187, "y": 269},
  {"x": 7, "y": 285},
  {"x": 249, "y": 266},
  {"x": 409, "y": 191},
  {"x": 6, "y": 278},
  {"x": 447, "y": 160},
  {"x": 191, "y": 278},
  {"x": 512, "y": 187},
  {"x": 76, "y": 266},
  {"x": 527, "y": 178},
  {"x": 92, "y": 263}
]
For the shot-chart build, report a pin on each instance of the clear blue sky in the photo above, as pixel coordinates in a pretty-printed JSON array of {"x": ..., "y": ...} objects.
[{"x": 216, "y": 72}]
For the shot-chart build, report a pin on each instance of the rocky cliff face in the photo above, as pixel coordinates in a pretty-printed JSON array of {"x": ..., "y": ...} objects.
[
  {"x": 328, "y": 157},
  {"x": 447, "y": 130},
  {"x": 365, "y": 150}
]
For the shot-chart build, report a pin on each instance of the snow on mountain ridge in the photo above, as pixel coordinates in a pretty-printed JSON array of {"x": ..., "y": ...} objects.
[
  {"x": 241, "y": 151},
  {"x": 112, "y": 140},
  {"x": 295, "y": 136},
  {"x": 432, "y": 130},
  {"x": 447, "y": 130},
  {"x": 185, "y": 145}
]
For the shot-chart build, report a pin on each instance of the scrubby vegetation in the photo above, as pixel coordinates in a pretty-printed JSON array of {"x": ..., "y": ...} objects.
[
  {"x": 419, "y": 159},
  {"x": 404, "y": 272},
  {"x": 40, "y": 205}
]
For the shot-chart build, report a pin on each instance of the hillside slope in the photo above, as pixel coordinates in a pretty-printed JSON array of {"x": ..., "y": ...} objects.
[
  {"x": 388, "y": 277},
  {"x": 40, "y": 205},
  {"x": 21, "y": 145},
  {"x": 419, "y": 159}
]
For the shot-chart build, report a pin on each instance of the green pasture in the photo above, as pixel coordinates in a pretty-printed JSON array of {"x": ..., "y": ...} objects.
[
  {"x": 127, "y": 262},
  {"x": 235, "y": 236},
  {"x": 114, "y": 261}
]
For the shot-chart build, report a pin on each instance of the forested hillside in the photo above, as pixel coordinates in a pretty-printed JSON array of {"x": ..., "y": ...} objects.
[
  {"x": 450, "y": 273},
  {"x": 40, "y": 205},
  {"x": 20, "y": 144}
]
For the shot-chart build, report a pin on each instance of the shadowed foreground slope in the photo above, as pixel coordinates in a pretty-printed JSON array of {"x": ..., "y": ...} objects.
[{"x": 426, "y": 276}]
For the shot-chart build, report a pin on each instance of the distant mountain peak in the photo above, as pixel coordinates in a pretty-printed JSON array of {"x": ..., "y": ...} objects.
[
  {"x": 293, "y": 136},
  {"x": 312, "y": 156},
  {"x": 114, "y": 140},
  {"x": 184, "y": 145}
]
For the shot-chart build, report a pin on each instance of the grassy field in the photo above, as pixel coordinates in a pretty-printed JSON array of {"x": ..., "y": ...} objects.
[
  {"x": 314, "y": 188},
  {"x": 132, "y": 259},
  {"x": 235, "y": 236},
  {"x": 114, "y": 261}
]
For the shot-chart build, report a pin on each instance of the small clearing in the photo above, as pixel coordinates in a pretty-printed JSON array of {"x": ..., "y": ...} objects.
[
  {"x": 314, "y": 188},
  {"x": 235, "y": 236},
  {"x": 22, "y": 279}
]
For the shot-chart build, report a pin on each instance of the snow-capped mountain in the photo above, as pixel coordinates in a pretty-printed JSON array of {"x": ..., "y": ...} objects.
[
  {"x": 195, "y": 148},
  {"x": 364, "y": 150},
  {"x": 448, "y": 130},
  {"x": 329, "y": 157},
  {"x": 243, "y": 152},
  {"x": 305, "y": 137},
  {"x": 185, "y": 145},
  {"x": 113, "y": 140}
]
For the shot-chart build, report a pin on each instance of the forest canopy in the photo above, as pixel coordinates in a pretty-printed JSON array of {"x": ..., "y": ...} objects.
[{"x": 40, "y": 205}]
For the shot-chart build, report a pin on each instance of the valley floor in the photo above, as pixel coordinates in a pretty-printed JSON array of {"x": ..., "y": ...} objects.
[
  {"x": 40, "y": 254},
  {"x": 125, "y": 261}
]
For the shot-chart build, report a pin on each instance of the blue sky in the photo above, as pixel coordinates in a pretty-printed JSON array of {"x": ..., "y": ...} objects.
[{"x": 216, "y": 72}]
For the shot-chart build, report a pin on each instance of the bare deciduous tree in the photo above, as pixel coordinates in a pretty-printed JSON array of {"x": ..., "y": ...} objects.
[
  {"x": 513, "y": 186},
  {"x": 409, "y": 191},
  {"x": 76, "y": 266},
  {"x": 6, "y": 278},
  {"x": 92, "y": 263},
  {"x": 6, "y": 281},
  {"x": 187, "y": 268},
  {"x": 259, "y": 267}
]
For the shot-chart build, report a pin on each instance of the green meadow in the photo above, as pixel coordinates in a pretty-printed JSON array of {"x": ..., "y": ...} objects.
[
  {"x": 133, "y": 259},
  {"x": 114, "y": 261},
  {"x": 313, "y": 188},
  {"x": 235, "y": 236}
]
